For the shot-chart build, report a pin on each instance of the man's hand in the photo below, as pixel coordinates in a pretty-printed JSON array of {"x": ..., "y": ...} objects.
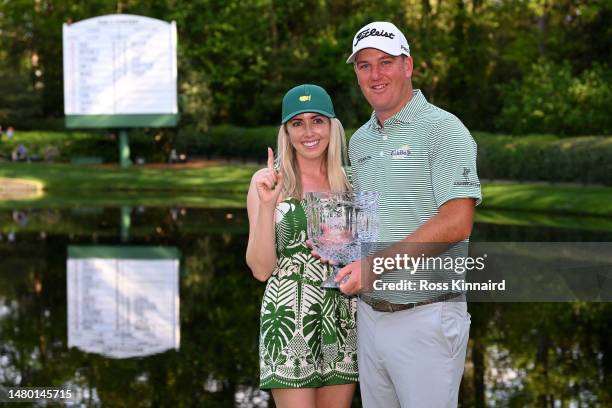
[
  {"x": 314, "y": 253},
  {"x": 356, "y": 277}
]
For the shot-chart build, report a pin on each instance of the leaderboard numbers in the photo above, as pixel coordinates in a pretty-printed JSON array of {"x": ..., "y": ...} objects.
[{"x": 120, "y": 65}]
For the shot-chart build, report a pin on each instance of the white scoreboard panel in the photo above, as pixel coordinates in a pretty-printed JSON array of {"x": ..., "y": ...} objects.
[{"x": 120, "y": 65}]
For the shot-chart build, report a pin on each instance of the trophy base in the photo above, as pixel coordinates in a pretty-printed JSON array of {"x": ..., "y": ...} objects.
[{"x": 330, "y": 282}]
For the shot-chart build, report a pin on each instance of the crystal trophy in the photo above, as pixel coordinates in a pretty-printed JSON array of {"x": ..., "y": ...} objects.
[{"x": 343, "y": 227}]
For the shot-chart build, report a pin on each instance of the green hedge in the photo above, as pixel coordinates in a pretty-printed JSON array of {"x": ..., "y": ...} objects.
[
  {"x": 525, "y": 158},
  {"x": 529, "y": 158},
  {"x": 230, "y": 142},
  {"x": 64, "y": 146},
  {"x": 545, "y": 158}
]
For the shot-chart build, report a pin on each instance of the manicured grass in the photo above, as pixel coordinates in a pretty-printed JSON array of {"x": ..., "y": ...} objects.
[
  {"x": 67, "y": 177},
  {"x": 85, "y": 199},
  {"x": 543, "y": 219},
  {"x": 73, "y": 185},
  {"x": 532, "y": 197},
  {"x": 225, "y": 185}
]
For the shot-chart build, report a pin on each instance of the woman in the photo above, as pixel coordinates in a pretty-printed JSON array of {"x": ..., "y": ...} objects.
[{"x": 307, "y": 337}]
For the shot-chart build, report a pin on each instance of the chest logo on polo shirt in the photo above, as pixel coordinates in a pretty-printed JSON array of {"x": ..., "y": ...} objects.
[
  {"x": 400, "y": 153},
  {"x": 363, "y": 159}
]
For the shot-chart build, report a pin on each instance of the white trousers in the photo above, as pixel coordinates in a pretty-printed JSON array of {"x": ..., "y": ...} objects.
[{"x": 412, "y": 358}]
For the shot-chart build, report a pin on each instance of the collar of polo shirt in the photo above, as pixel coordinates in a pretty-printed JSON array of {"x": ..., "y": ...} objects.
[{"x": 406, "y": 114}]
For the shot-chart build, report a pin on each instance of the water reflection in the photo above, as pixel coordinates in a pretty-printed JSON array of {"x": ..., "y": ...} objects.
[
  {"x": 123, "y": 301},
  {"x": 529, "y": 354}
]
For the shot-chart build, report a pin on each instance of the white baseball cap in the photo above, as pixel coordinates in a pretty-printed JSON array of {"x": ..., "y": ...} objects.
[{"x": 381, "y": 35}]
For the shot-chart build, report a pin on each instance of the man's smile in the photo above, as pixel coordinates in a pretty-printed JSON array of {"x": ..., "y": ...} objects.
[{"x": 379, "y": 87}]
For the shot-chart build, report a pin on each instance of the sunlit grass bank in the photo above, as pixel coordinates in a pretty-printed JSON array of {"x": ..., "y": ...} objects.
[
  {"x": 212, "y": 185},
  {"x": 57, "y": 177},
  {"x": 225, "y": 185},
  {"x": 531, "y": 197}
]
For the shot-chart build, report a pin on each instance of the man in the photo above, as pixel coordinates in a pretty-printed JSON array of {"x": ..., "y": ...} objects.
[{"x": 422, "y": 161}]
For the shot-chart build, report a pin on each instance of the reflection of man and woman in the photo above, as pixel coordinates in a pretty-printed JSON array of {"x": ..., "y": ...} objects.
[
  {"x": 421, "y": 160},
  {"x": 308, "y": 336}
]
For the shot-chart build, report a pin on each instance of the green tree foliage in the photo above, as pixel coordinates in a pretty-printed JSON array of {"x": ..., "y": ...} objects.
[
  {"x": 195, "y": 102},
  {"x": 237, "y": 58},
  {"x": 18, "y": 98},
  {"x": 552, "y": 99}
]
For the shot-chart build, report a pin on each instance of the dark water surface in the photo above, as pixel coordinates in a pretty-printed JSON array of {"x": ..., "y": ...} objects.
[{"x": 529, "y": 354}]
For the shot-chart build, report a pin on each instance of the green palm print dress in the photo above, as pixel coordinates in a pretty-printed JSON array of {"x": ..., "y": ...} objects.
[{"x": 308, "y": 336}]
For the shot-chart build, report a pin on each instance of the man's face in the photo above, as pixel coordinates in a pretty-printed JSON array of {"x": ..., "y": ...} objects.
[{"x": 385, "y": 80}]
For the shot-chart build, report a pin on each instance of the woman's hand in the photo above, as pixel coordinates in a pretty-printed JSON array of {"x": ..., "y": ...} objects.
[
  {"x": 266, "y": 186},
  {"x": 269, "y": 183}
]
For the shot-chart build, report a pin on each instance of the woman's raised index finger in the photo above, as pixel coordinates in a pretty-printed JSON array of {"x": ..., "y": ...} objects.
[{"x": 270, "y": 159}]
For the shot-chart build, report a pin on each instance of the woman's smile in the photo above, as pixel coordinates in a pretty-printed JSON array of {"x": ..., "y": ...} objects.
[{"x": 311, "y": 144}]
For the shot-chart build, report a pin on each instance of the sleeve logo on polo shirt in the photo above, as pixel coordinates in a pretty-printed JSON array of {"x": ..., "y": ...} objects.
[
  {"x": 466, "y": 176},
  {"x": 400, "y": 153}
]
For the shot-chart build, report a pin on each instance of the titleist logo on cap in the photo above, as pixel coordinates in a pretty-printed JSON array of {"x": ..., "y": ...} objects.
[{"x": 372, "y": 32}]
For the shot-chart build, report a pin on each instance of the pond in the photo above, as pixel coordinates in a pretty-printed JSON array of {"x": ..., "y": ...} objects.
[{"x": 203, "y": 351}]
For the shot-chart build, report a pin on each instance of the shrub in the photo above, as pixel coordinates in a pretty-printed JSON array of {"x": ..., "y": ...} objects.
[
  {"x": 545, "y": 158},
  {"x": 66, "y": 145},
  {"x": 227, "y": 141},
  {"x": 583, "y": 159}
]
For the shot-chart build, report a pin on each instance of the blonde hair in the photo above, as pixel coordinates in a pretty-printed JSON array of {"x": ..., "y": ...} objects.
[{"x": 336, "y": 157}]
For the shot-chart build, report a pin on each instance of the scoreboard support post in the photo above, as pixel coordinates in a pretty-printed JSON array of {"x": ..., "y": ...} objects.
[{"x": 124, "y": 149}]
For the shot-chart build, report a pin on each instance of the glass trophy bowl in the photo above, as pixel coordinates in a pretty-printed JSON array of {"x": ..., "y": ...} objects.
[{"x": 342, "y": 227}]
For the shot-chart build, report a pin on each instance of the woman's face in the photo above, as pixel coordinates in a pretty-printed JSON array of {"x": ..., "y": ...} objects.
[{"x": 309, "y": 134}]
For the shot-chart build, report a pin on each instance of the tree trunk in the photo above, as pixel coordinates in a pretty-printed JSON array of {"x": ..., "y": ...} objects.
[
  {"x": 478, "y": 359},
  {"x": 542, "y": 23},
  {"x": 544, "y": 399}
]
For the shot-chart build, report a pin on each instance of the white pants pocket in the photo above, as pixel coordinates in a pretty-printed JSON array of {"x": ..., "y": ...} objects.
[{"x": 455, "y": 327}]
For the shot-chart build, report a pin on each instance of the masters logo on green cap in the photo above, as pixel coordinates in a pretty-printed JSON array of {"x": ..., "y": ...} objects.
[{"x": 307, "y": 98}]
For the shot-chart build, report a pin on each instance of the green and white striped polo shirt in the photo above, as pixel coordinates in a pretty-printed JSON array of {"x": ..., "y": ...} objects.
[{"x": 421, "y": 158}]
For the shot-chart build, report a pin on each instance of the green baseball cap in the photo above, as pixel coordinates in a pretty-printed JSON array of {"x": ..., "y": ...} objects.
[{"x": 307, "y": 98}]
